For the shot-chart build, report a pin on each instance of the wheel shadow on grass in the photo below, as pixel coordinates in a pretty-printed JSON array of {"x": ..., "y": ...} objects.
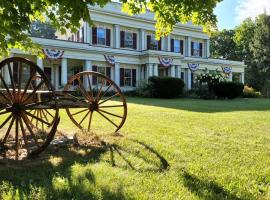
[
  {"x": 208, "y": 190},
  {"x": 67, "y": 171}
]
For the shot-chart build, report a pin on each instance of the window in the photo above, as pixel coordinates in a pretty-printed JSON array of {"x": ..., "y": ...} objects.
[
  {"x": 177, "y": 46},
  {"x": 196, "y": 49},
  {"x": 103, "y": 70},
  {"x": 152, "y": 43},
  {"x": 127, "y": 77},
  {"x": 129, "y": 40},
  {"x": 101, "y": 36},
  {"x": 183, "y": 76}
]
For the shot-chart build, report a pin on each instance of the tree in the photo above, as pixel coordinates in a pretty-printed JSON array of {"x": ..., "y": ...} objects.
[
  {"x": 16, "y": 16},
  {"x": 44, "y": 30},
  {"x": 223, "y": 46},
  {"x": 260, "y": 47}
]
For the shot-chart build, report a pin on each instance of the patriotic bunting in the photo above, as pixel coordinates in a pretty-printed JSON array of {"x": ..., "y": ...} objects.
[
  {"x": 193, "y": 66},
  {"x": 53, "y": 53},
  {"x": 227, "y": 70},
  {"x": 110, "y": 59},
  {"x": 165, "y": 61}
]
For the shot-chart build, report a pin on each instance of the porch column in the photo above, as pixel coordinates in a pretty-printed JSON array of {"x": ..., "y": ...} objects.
[
  {"x": 40, "y": 63},
  {"x": 155, "y": 69},
  {"x": 207, "y": 48},
  {"x": 230, "y": 76},
  {"x": 86, "y": 33},
  {"x": 138, "y": 75},
  {"x": 87, "y": 67},
  {"x": 63, "y": 72},
  {"x": 149, "y": 70},
  {"x": 116, "y": 37},
  {"x": 189, "y": 79},
  {"x": 142, "y": 43},
  {"x": 178, "y": 71},
  {"x": 188, "y": 46},
  {"x": 56, "y": 77},
  {"x": 117, "y": 74},
  {"x": 243, "y": 77},
  {"x": 173, "y": 71},
  {"x": 168, "y": 43}
]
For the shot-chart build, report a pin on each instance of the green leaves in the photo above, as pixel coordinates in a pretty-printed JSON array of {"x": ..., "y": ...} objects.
[{"x": 16, "y": 16}]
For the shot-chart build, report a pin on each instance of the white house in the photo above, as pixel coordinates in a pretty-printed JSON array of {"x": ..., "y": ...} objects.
[{"x": 124, "y": 48}]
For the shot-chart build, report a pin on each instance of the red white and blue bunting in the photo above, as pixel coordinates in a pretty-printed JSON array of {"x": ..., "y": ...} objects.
[
  {"x": 227, "y": 70},
  {"x": 165, "y": 61},
  {"x": 193, "y": 66},
  {"x": 110, "y": 59},
  {"x": 53, "y": 53}
]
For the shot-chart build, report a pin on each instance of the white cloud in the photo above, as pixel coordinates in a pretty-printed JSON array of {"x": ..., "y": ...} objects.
[{"x": 251, "y": 8}]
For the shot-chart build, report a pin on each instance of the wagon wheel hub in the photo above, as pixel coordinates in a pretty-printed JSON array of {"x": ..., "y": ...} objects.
[
  {"x": 16, "y": 108},
  {"x": 93, "y": 106}
]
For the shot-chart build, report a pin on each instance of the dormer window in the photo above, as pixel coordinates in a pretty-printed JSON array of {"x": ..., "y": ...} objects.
[
  {"x": 152, "y": 43},
  {"x": 177, "y": 46},
  {"x": 196, "y": 49},
  {"x": 101, "y": 36},
  {"x": 128, "y": 40}
]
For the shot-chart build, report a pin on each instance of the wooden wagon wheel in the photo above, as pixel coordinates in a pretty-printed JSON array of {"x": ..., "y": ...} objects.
[
  {"x": 103, "y": 99},
  {"x": 28, "y": 112}
]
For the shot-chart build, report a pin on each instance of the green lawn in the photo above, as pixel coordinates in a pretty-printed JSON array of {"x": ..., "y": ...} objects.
[{"x": 171, "y": 149}]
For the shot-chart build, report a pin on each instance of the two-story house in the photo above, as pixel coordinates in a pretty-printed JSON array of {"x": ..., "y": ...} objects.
[{"x": 124, "y": 48}]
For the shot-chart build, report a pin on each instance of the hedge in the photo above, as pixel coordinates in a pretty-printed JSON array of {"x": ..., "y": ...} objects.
[
  {"x": 228, "y": 90},
  {"x": 165, "y": 87}
]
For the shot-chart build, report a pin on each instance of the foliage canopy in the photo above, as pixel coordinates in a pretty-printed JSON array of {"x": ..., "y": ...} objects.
[{"x": 16, "y": 16}]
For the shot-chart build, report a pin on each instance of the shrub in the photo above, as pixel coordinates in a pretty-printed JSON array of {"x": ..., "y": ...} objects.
[
  {"x": 165, "y": 87},
  {"x": 201, "y": 92},
  {"x": 228, "y": 90},
  {"x": 250, "y": 92}
]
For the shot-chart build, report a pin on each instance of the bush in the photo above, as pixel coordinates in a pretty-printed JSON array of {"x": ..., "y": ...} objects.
[
  {"x": 164, "y": 87},
  {"x": 228, "y": 90},
  {"x": 250, "y": 92},
  {"x": 201, "y": 93}
]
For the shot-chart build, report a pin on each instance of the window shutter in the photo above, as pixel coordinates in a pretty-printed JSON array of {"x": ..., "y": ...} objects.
[
  {"x": 122, "y": 73},
  {"x": 94, "y": 35},
  {"x": 159, "y": 44},
  {"x": 122, "y": 39},
  {"x": 172, "y": 45},
  {"x": 78, "y": 36},
  {"x": 134, "y": 40},
  {"x": 148, "y": 41},
  {"x": 133, "y": 77},
  {"x": 94, "y": 78},
  {"x": 182, "y": 47},
  {"x": 15, "y": 72},
  {"x": 108, "y": 37},
  {"x": 108, "y": 73},
  {"x": 82, "y": 34},
  {"x": 201, "y": 49},
  {"x": 192, "y": 48}
]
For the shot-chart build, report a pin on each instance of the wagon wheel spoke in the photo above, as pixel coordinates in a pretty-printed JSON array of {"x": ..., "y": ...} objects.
[
  {"x": 23, "y": 132},
  {"x": 82, "y": 89},
  {"x": 8, "y": 130},
  {"x": 112, "y": 106},
  {"x": 6, "y": 87},
  {"x": 105, "y": 92},
  {"x": 20, "y": 77},
  {"x": 17, "y": 138},
  {"x": 4, "y": 112},
  {"x": 7, "y": 119},
  {"x": 26, "y": 121},
  {"x": 36, "y": 117},
  {"x": 84, "y": 117},
  {"x": 90, "y": 88},
  {"x": 5, "y": 97},
  {"x": 107, "y": 119},
  {"x": 100, "y": 90},
  {"x": 76, "y": 113},
  {"x": 11, "y": 77},
  {"x": 109, "y": 98},
  {"x": 34, "y": 91},
  {"x": 90, "y": 120},
  {"x": 27, "y": 85},
  {"x": 110, "y": 113}
]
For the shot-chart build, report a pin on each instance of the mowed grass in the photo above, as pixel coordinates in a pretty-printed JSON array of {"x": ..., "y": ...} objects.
[{"x": 170, "y": 149}]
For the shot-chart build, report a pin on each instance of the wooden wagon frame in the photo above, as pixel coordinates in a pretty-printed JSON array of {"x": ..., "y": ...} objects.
[{"x": 29, "y": 106}]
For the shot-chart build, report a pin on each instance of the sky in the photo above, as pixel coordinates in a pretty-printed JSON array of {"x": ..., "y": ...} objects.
[{"x": 231, "y": 13}]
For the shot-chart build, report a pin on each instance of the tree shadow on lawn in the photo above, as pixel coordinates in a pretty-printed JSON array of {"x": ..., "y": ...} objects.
[
  {"x": 70, "y": 176},
  {"x": 205, "y": 106},
  {"x": 208, "y": 190}
]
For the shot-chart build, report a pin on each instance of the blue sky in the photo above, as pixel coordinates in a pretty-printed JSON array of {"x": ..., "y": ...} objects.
[{"x": 231, "y": 13}]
